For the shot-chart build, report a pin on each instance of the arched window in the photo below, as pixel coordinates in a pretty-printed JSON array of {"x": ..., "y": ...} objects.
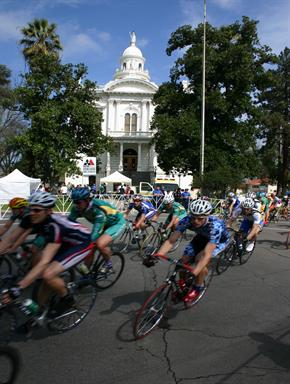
[
  {"x": 124, "y": 66},
  {"x": 134, "y": 123},
  {"x": 140, "y": 67},
  {"x": 127, "y": 122}
]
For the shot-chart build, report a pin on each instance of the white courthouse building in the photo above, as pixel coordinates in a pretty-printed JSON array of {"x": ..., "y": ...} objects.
[{"x": 126, "y": 105}]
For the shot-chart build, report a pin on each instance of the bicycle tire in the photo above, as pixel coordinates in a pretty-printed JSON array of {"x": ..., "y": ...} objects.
[
  {"x": 122, "y": 243},
  {"x": 148, "y": 317},
  {"x": 225, "y": 259},
  {"x": 207, "y": 281},
  {"x": 9, "y": 373},
  {"x": 244, "y": 256},
  {"x": 85, "y": 293},
  {"x": 105, "y": 280},
  {"x": 150, "y": 245}
]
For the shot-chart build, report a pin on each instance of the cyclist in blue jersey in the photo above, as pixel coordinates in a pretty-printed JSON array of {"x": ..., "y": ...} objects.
[
  {"x": 108, "y": 222},
  {"x": 233, "y": 204},
  {"x": 145, "y": 210},
  {"x": 212, "y": 237},
  {"x": 67, "y": 244},
  {"x": 252, "y": 223}
]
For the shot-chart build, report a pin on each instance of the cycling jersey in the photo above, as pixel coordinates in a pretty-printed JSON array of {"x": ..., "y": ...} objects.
[
  {"x": 145, "y": 208},
  {"x": 213, "y": 231},
  {"x": 254, "y": 218},
  {"x": 104, "y": 217},
  {"x": 234, "y": 201},
  {"x": 176, "y": 210}
]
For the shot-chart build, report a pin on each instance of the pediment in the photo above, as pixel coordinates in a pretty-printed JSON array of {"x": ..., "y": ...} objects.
[{"x": 130, "y": 86}]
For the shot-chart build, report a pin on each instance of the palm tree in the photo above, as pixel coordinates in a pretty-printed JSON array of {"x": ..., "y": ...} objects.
[{"x": 40, "y": 38}]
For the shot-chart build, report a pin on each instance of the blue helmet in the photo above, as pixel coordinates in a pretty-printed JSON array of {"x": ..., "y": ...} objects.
[{"x": 80, "y": 194}]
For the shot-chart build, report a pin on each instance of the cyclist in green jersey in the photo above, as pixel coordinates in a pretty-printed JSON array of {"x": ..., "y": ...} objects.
[
  {"x": 176, "y": 212},
  {"x": 108, "y": 222}
]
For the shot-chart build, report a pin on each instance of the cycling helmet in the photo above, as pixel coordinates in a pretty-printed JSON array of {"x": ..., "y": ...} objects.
[
  {"x": 44, "y": 199},
  {"x": 251, "y": 195},
  {"x": 137, "y": 198},
  {"x": 168, "y": 199},
  {"x": 80, "y": 194},
  {"x": 248, "y": 203},
  {"x": 200, "y": 207},
  {"x": 18, "y": 202},
  {"x": 231, "y": 194}
]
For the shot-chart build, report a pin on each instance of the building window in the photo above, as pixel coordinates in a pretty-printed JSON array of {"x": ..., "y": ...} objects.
[
  {"x": 134, "y": 123},
  {"x": 124, "y": 66},
  {"x": 127, "y": 122},
  {"x": 130, "y": 123},
  {"x": 130, "y": 160},
  {"x": 140, "y": 67}
]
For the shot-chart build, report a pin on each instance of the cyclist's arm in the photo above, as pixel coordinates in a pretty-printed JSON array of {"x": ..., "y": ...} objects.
[
  {"x": 168, "y": 244},
  {"x": 205, "y": 259},
  {"x": 6, "y": 227},
  {"x": 11, "y": 238},
  {"x": 19, "y": 240},
  {"x": 172, "y": 221},
  {"x": 47, "y": 255}
]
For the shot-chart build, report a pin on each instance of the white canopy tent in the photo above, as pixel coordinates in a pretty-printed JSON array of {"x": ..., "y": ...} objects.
[
  {"x": 16, "y": 184},
  {"x": 116, "y": 178}
]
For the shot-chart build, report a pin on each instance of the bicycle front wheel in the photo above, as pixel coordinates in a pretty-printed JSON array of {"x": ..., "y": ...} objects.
[
  {"x": 121, "y": 244},
  {"x": 106, "y": 277},
  {"x": 84, "y": 293},
  {"x": 225, "y": 259},
  {"x": 150, "y": 245},
  {"x": 10, "y": 363},
  {"x": 152, "y": 311},
  {"x": 245, "y": 256}
]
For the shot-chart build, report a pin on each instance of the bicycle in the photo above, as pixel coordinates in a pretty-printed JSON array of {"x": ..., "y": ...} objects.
[
  {"x": 155, "y": 306},
  {"x": 10, "y": 363},
  {"x": 240, "y": 243},
  {"x": 84, "y": 292}
]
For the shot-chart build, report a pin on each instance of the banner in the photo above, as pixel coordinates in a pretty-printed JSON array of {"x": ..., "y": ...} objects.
[{"x": 89, "y": 166}]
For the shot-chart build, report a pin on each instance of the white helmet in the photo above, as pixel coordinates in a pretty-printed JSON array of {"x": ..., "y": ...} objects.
[
  {"x": 231, "y": 194},
  {"x": 168, "y": 199},
  {"x": 251, "y": 195},
  {"x": 248, "y": 203},
  {"x": 44, "y": 199},
  {"x": 200, "y": 207}
]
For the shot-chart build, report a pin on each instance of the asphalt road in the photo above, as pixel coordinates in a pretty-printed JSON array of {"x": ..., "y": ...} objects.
[{"x": 238, "y": 333}]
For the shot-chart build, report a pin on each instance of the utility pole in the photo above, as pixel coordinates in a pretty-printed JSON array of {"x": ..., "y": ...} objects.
[{"x": 203, "y": 95}]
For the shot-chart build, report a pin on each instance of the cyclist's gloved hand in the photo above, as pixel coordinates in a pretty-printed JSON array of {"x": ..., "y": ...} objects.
[
  {"x": 149, "y": 261},
  {"x": 14, "y": 292}
]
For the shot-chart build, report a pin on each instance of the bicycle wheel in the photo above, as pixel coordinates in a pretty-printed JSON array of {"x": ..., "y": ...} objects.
[
  {"x": 176, "y": 244},
  {"x": 10, "y": 363},
  {"x": 84, "y": 293},
  {"x": 211, "y": 268},
  {"x": 104, "y": 278},
  {"x": 5, "y": 268},
  {"x": 245, "y": 256},
  {"x": 152, "y": 311},
  {"x": 150, "y": 245},
  {"x": 7, "y": 325},
  {"x": 225, "y": 259},
  {"x": 121, "y": 244}
]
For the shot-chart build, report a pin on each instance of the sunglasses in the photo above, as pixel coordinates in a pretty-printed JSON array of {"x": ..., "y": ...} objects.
[
  {"x": 194, "y": 218},
  {"x": 78, "y": 202},
  {"x": 37, "y": 210}
]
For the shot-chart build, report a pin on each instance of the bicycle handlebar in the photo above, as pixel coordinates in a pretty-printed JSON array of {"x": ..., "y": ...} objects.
[{"x": 174, "y": 261}]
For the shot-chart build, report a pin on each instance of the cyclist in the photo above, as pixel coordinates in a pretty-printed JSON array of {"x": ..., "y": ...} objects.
[
  {"x": 176, "y": 212},
  {"x": 108, "y": 222},
  {"x": 145, "y": 210},
  {"x": 253, "y": 196},
  {"x": 212, "y": 237},
  {"x": 252, "y": 223},
  {"x": 233, "y": 206},
  {"x": 67, "y": 244},
  {"x": 19, "y": 207},
  {"x": 265, "y": 207}
]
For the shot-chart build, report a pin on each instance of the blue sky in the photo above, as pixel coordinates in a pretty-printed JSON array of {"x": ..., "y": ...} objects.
[{"x": 96, "y": 32}]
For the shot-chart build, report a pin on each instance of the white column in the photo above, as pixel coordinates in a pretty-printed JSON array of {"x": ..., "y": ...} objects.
[
  {"x": 108, "y": 166},
  {"x": 121, "y": 157},
  {"x": 139, "y": 165},
  {"x": 110, "y": 115},
  {"x": 144, "y": 117}
]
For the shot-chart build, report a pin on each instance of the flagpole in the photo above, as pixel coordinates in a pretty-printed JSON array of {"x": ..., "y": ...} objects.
[{"x": 203, "y": 94}]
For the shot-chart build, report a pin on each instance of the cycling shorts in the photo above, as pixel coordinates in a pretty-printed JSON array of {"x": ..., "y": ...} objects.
[
  {"x": 246, "y": 226},
  {"x": 198, "y": 244},
  {"x": 115, "y": 230},
  {"x": 68, "y": 257}
]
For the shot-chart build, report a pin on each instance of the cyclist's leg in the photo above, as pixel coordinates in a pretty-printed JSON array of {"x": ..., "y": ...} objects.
[{"x": 110, "y": 234}]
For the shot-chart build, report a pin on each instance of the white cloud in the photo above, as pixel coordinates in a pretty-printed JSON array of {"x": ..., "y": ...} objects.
[
  {"x": 81, "y": 43},
  {"x": 192, "y": 12},
  {"x": 11, "y": 24},
  {"x": 142, "y": 42},
  {"x": 104, "y": 36},
  {"x": 227, "y": 4}
]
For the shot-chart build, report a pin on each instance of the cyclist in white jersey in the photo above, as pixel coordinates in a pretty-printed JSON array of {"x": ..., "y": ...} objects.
[{"x": 252, "y": 223}]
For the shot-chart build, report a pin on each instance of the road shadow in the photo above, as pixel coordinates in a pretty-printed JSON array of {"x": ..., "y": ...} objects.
[
  {"x": 274, "y": 244},
  {"x": 273, "y": 349}
]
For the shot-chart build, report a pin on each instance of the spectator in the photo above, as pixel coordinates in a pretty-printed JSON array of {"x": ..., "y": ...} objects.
[
  {"x": 177, "y": 195},
  {"x": 157, "y": 196},
  {"x": 185, "y": 196}
]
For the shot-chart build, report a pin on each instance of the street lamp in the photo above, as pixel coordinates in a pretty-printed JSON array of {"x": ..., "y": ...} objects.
[{"x": 203, "y": 95}]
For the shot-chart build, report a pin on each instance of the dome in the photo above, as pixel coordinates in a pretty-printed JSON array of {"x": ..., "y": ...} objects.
[{"x": 132, "y": 51}]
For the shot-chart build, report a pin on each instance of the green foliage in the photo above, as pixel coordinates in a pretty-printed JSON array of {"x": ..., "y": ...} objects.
[
  {"x": 234, "y": 73},
  {"x": 59, "y": 103}
]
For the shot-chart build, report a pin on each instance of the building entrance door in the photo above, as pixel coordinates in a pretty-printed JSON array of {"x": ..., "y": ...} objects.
[{"x": 130, "y": 160}]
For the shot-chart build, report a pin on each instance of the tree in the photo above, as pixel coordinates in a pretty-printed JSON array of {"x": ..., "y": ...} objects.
[
  {"x": 234, "y": 72},
  {"x": 275, "y": 125},
  {"x": 40, "y": 38},
  {"x": 58, "y": 101}
]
